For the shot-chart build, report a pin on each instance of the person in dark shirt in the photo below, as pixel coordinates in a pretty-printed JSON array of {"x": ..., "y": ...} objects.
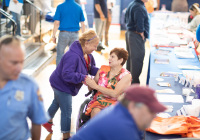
[
  {"x": 100, "y": 16},
  {"x": 137, "y": 24}
]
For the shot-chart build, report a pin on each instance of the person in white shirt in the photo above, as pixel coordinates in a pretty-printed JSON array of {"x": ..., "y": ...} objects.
[{"x": 195, "y": 12}]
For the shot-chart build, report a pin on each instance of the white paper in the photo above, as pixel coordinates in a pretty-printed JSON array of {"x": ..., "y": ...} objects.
[
  {"x": 15, "y": 7},
  {"x": 170, "y": 98},
  {"x": 188, "y": 67}
]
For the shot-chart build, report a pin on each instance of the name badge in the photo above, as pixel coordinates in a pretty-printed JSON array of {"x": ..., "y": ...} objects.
[{"x": 19, "y": 95}]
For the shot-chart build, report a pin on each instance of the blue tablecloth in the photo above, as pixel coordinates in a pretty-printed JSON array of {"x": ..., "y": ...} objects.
[{"x": 154, "y": 72}]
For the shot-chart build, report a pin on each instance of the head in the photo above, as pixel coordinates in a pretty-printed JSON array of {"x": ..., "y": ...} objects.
[
  {"x": 89, "y": 41},
  {"x": 118, "y": 56},
  {"x": 142, "y": 105},
  {"x": 194, "y": 9},
  {"x": 144, "y": 1},
  {"x": 11, "y": 58}
]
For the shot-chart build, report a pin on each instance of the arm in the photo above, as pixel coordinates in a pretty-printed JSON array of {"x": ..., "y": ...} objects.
[
  {"x": 158, "y": 5},
  {"x": 55, "y": 28},
  {"x": 121, "y": 85},
  {"x": 69, "y": 73},
  {"x": 15, "y": 1},
  {"x": 96, "y": 79},
  {"x": 98, "y": 8},
  {"x": 36, "y": 131},
  {"x": 139, "y": 19},
  {"x": 83, "y": 27}
]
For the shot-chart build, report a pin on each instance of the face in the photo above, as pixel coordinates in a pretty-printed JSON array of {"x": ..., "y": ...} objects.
[
  {"x": 11, "y": 61},
  {"x": 193, "y": 13},
  {"x": 142, "y": 115},
  {"x": 114, "y": 61},
  {"x": 90, "y": 47},
  {"x": 145, "y": 1}
]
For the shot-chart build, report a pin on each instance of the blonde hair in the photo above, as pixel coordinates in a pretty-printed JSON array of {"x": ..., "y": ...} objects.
[
  {"x": 195, "y": 7},
  {"x": 88, "y": 36}
]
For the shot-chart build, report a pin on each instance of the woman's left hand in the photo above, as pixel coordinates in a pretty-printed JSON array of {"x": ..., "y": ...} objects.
[{"x": 90, "y": 82}]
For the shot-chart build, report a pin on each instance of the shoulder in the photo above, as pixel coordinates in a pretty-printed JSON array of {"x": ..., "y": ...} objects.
[
  {"x": 26, "y": 78},
  {"x": 124, "y": 72},
  {"x": 105, "y": 68},
  {"x": 25, "y": 82}
]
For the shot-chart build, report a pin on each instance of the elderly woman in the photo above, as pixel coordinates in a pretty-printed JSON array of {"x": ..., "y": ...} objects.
[
  {"x": 110, "y": 82},
  {"x": 69, "y": 76},
  {"x": 195, "y": 12}
]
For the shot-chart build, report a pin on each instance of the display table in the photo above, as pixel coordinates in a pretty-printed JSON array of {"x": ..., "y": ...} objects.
[{"x": 158, "y": 63}]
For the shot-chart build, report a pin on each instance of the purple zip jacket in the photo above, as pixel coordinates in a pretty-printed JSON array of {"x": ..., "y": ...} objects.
[{"x": 72, "y": 70}]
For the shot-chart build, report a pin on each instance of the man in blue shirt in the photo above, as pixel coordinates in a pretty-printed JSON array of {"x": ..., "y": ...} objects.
[
  {"x": 16, "y": 17},
  {"x": 67, "y": 18},
  {"x": 126, "y": 120},
  {"x": 137, "y": 25},
  {"x": 100, "y": 16},
  {"x": 19, "y": 95}
]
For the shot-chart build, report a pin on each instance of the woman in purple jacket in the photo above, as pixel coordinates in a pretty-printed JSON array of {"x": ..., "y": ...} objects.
[{"x": 69, "y": 76}]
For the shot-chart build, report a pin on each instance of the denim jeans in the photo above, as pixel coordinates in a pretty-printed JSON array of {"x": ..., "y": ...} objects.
[
  {"x": 65, "y": 39},
  {"x": 16, "y": 17},
  {"x": 64, "y": 101}
]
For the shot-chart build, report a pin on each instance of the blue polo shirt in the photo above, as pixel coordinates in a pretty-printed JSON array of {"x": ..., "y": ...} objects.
[
  {"x": 136, "y": 18},
  {"x": 113, "y": 123},
  {"x": 103, "y": 5},
  {"x": 8, "y": 1},
  {"x": 70, "y": 14},
  {"x": 198, "y": 33},
  {"x": 20, "y": 99}
]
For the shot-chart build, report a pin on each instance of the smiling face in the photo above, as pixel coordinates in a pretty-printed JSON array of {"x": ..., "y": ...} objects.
[
  {"x": 114, "y": 61},
  {"x": 11, "y": 61},
  {"x": 90, "y": 47}
]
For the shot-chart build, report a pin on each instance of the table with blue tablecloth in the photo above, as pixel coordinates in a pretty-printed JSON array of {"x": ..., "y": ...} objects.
[{"x": 154, "y": 73}]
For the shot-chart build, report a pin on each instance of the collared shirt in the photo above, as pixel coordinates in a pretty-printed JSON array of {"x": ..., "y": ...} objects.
[
  {"x": 103, "y": 5},
  {"x": 70, "y": 14},
  {"x": 136, "y": 18},
  {"x": 20, "y": 99},
  {"x": 113, "y": 123}
]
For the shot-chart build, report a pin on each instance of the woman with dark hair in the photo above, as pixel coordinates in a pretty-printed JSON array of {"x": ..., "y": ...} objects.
[
  {"x": 110, "y": 82},
  {"x": 195, "y": 12}
]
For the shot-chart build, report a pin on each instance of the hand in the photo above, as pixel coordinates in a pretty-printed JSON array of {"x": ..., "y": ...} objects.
[
  {"x": 102, "y": 17},
  {"x": 142, "y": 35},
  {"x": 15, "y": 1},
  {"x": 53, "y": 39},
  {"x": 91, "y": 83}
]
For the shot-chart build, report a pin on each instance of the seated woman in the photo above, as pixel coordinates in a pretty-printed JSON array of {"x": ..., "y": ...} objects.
[
  {"x": 195, "y": 12},
  {"x": 112, "y": 81}
]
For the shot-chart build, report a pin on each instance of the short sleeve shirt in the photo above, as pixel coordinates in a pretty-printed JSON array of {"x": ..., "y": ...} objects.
[
  {"x": 20, "y": 99},
  {"x": 103, "y": 5},
  {"x": 70, "y": 14}
]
